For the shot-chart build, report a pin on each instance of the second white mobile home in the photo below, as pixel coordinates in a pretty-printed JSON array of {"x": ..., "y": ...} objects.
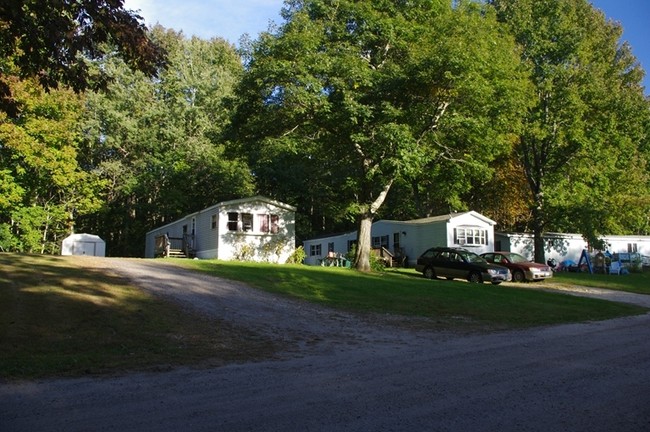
[{"x": 409, "y": 239}]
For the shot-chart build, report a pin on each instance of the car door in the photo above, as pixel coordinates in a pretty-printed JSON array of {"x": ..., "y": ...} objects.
[
  {"x": 441, "y": 264},
  {"x": 490, "y": 257},
  {"x": 458, "y": 268}
]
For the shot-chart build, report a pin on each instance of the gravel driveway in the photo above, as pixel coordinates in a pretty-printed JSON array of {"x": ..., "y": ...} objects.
[{"x": 351, "y": 373}]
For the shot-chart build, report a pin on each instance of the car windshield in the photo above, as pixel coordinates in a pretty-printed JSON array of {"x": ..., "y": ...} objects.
[
  {"x": 516, "y": 258},
  {"x": 471, "y": 257}
]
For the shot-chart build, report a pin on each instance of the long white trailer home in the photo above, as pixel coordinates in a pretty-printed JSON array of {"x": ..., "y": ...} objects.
[
  {"x": 255, "y": 229},
  {"x": 408, "y": 239},
  {"x": 562, "y": 246}
]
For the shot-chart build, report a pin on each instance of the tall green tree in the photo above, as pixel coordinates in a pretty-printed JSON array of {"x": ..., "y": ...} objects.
[
  {"x": 369, "y": 93},
  {"x": 158, "y": 142},
  {"x": 52, "y": 41},
  {"x": 44, "y": 189},
  {"x": 582, "y": 143}
]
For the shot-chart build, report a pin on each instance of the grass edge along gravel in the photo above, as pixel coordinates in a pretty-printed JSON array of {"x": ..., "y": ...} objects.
[
  {"x": 405, "y": 292},
  {"x": 58, "y": 318}
]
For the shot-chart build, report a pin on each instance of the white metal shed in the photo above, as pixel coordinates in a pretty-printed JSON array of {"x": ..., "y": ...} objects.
[{"x": 83, "y": 244}]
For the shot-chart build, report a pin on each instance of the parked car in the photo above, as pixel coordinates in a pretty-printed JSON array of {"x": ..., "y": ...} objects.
[
  {"x": 456, "y": 263},
  {"x": 521, "y": 268}
]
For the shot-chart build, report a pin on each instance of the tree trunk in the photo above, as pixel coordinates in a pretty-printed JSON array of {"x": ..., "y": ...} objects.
[
  {"x": 540, "y": 256},
  {"x": 362, "y": 259},
  {"x": 366, "y": 216},
  {"x": 538, "y": 231}
]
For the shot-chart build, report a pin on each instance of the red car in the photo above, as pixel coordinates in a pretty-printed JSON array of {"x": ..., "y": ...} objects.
[{"x": 521, "y": 269}]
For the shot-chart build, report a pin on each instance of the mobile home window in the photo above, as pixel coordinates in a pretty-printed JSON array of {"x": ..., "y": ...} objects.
[
  {"x": 247, "y": 221},
  {"x": 233, "y": 221},
  {"x": 268, "y": 223},
  {"x": 275, "y": 224},
  {"x": 263, "y": 221},
  {"x": 471, "y": 236},
  {"x": 314, "y": 250},
  {"x": 213, "y": 222},
  {"x": 380, "y": 241}
]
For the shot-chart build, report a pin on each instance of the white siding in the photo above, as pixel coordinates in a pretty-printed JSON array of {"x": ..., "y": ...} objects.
[
  {"x": 471, "y": 221},
  {"x": 234, "y": 243},
  {"x": 221, "y": 243},
  {"x": 415, "y": 236},
  {"x": 621, "y": 244},
  {"x": 340, "y": 246},
  {"x": 569, "y": 246}
]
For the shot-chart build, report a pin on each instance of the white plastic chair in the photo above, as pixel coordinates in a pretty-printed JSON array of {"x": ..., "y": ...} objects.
[{"x": 615, "y": 268}]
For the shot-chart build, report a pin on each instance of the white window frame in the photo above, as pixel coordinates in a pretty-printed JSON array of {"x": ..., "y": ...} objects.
[
  {"x": 268, "y": 223},
  {"x": 233, "y": 221},
  {"x": 470, "y": 236}
]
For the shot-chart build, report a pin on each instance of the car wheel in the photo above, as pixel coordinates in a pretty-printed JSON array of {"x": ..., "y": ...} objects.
[
  {"x": 475, "y": 277},
  {"x": 429, "y": 273},
  {"x": 518, "y": 276}
]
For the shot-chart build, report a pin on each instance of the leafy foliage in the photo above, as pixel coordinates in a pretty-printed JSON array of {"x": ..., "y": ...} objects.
[
  {"x": 44, "y": 187},
  {"x": 580, "y": 146},
  {"x": 298, "y": 256},
  {"x": 369, "y": 93},
  {"x": 157, "y": 142},
  {"x": 53, "y": 39}
]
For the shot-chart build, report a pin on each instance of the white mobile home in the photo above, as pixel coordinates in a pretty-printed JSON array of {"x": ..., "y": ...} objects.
[
  {"x": 409, "y": 239},
  {"x": 255, "y": 229},
  {"x": 562, "y": 246}
]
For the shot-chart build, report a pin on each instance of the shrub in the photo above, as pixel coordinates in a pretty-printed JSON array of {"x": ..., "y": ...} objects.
[{"x": 298, "y": 256}]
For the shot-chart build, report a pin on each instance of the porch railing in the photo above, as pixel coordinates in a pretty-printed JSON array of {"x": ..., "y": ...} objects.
[{"x": 175, "y": 246}]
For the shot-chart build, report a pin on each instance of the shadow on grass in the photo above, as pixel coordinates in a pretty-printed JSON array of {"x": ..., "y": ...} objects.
[{"x": 60, "y": 318}]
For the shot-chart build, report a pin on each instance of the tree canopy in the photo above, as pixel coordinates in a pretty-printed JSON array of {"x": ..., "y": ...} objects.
[
  {"x": 377, "y": 91},
  {"x": 52, "y": 40},
  {"x": 43, "y": 187},
  {"x": 581, "y": 146},
  {"x": 158, "y": 142},
  {"x": 530, "y": 112}
]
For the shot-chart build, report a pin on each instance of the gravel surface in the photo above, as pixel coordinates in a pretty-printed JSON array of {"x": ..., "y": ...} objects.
[{"x": 350, "y": 373}]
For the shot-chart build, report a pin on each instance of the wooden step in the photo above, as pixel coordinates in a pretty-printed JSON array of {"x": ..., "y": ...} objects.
[{"x": 177, "y": 253}]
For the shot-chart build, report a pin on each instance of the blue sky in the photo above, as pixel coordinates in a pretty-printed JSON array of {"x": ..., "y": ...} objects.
[{"x": 230, "y": 19}]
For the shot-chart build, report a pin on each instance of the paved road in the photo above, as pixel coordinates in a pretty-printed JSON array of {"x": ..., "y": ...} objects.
[{"x": 581, "y": 377}]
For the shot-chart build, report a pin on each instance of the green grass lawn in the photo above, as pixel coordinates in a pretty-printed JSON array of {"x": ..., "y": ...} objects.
[
  {"x": 59, "y": 317},
  {"x": 632, "y": 282},
  {"x": 406, "y": 292}
]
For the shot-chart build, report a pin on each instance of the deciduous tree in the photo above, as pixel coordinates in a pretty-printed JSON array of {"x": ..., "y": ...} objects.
[
  {"x": 372, "y": 92},
  {"x": 52, "y": 40},
  {"x": 581, "y": 145},
  {"x": 158, "y": 142},
  {"x": 43, "y": 187}
]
